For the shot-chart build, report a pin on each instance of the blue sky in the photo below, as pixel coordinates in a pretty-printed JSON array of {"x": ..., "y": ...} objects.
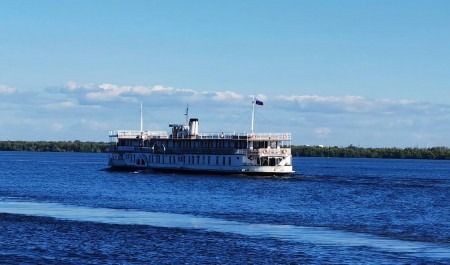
[{"x": 367, "y": 73}]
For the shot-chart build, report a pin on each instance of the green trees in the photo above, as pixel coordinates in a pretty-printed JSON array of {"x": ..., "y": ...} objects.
[
  {"x": 61, "y": 146},
  {"x": 359, "y": 152}
]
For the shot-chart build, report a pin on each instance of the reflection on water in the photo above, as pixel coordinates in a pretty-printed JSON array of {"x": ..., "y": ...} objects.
[{"x": 313, "y": 235}]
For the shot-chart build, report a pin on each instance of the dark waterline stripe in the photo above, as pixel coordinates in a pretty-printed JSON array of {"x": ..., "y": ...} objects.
[{"x": 300, "y": 234}]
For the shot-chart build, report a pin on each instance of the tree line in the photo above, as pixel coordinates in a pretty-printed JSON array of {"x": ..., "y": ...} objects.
[
  {"x": 442, "y": 153},
  {"x": 61, "y": 146},
  {"x": 301, "y": 150}
]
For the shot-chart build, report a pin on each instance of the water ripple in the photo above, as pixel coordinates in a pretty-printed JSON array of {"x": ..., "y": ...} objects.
[{"x": 291, "y": 233}]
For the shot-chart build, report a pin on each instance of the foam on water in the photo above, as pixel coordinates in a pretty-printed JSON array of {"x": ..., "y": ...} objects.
[{"x": 292, "y": 233}]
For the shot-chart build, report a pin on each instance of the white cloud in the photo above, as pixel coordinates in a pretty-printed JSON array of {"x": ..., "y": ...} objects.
[
  {"x": 358, "y": 105},
  {"x": 6, "y": 90},
  {"x": 111, "y": 92},
  {"x": 222, "y": 96},
  {"x": 107, "y": 92},
  {"x": 73, "y": 86},
  {"x": 315, "y": 98},
  {"x": 160, "y": 95}
]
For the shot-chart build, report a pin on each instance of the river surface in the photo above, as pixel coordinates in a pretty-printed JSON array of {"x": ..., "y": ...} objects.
[{"x": 64, "y": 208}]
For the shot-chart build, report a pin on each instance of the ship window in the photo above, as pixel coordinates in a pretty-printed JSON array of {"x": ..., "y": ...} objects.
[
  {"x": 223, "y": 160},
  {"x": 198, "y": 159},
  {"x": 217, "y": 160},
  {"x": 203, "y": 160},
  {"x": 229, "y": 160},
  {"x": 209, "y": 160},
  {"x": 272, "y": 162}
]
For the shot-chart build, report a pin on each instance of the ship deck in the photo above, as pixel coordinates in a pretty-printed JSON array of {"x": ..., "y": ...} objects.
[{"x": 124, "y": 134}]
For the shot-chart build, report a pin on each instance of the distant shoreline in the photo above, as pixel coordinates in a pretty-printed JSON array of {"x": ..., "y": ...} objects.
[
  {"x": 55, "y": 146},
  {"x": 437, "y": 153}
]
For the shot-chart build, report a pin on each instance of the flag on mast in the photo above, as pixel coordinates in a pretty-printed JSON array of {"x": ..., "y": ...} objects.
[{"x": 257, "y": 102}]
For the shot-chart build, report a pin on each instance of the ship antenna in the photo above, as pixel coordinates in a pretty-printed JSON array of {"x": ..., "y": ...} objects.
[
  {"x": 141, "y": 119},
  {"x": 187, "y": 114}
]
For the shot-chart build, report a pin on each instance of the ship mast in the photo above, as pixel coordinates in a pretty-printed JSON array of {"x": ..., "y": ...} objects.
[
  {"x": 253, "y": 112},
  {"x": 142, "y": 123},
  {"x": 187, "y": 114}
]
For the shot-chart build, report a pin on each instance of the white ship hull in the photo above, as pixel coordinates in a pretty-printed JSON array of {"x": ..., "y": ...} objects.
[{"x": 240, "y": 164}]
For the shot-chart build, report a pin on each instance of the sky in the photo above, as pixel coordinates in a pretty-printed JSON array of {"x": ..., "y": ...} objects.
[{"x": 337, "y": 73}]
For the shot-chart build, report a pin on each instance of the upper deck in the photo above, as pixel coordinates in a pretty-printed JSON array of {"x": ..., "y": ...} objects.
[
  {"x": 129, "y": 134},
  {"x": 147, "y": 135}
]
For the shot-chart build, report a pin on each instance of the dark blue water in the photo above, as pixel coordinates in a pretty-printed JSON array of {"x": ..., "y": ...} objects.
[{"x": 62, "y": 208}]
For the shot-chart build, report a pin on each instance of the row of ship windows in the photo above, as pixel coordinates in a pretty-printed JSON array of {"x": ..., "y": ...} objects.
[
  {"x": 193, "y": 160},
  {"x": 200, "y": 144},
  {"x": 187, "y": 144}
]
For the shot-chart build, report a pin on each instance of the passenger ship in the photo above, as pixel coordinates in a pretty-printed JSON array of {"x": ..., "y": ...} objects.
[{"x": 185, "y": 149}]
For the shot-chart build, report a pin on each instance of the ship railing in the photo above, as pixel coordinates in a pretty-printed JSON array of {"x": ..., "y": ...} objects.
[
  {"x": 274, "y": 151},
  {"x": 217, "y": 135},
  {"x": 135, "y": 134},
  {"x": 143, "y": 149},
  {"x": 244, "y": 136},
  {"x": 213, "y": 135},
  {"x": 270, "y": 136},
  {"x": 266, "y": 151}
]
